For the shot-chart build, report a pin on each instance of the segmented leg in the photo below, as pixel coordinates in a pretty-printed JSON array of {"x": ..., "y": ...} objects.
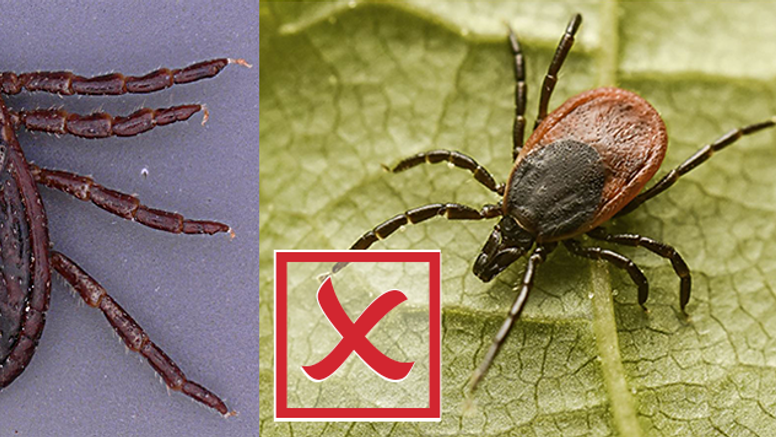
[
  {"x": 133, "y": 335},
  {"x": 557, "y": 61},
  {"x": 537, "y": 257},
  {"x": 695, "y": 160},
  {"x": 100, "y": 124},
  {"x": 521, "y": 89},
  {"x": 122, "y": 205},
  {"x": 450, "y": 211},
  {"x": 618, "y": 260},
  {"x": 662, "y": 249},
  {"x": 457, "y": 159},
  {"x": 67, "y": 83}
]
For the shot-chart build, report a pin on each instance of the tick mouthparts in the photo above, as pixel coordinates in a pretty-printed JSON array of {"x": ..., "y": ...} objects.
[{"x": 488, "y": 266}]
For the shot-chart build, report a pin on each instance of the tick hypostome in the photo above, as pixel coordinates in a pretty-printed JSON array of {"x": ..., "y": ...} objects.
[
  {"x": 584, "y": 163},
  {"x": 24, "y": 241}
]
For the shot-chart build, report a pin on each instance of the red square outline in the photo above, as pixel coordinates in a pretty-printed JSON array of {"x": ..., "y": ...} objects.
[{"x": 284, "y": 413}]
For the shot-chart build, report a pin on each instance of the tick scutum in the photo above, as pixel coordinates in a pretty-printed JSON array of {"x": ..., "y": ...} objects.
[{"x": 556, "y": 189}]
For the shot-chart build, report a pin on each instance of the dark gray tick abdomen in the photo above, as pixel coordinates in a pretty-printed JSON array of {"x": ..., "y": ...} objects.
[{"x": 556, "y": 189}]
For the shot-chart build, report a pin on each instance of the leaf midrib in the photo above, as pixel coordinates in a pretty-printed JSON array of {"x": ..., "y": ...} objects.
[{"x": 622, "y": 401}]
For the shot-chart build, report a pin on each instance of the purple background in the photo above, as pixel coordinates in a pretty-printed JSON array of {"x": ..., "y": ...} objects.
[{"x": 196, "y": 296}]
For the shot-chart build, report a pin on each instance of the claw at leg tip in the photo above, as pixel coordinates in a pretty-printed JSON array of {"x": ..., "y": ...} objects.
[
  {"x": 205, "y": 114},
  {"x": 240, "y": 61}
]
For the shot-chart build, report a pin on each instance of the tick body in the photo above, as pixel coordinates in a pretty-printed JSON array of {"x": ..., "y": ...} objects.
[
  {"x": 585, "y": 163},
  {"x": 24, "y": 296},
  {"x": 26, "y": 257},
  {"x": 587, "y": 160}
]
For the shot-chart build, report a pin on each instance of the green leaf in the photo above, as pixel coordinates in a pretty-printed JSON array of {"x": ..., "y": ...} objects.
[{"x": 348, "y": 86}]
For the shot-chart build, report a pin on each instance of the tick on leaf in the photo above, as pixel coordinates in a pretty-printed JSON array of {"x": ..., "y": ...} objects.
[
  {"x": 25, "y": 256},
  {"x": 584, "y": 163}
]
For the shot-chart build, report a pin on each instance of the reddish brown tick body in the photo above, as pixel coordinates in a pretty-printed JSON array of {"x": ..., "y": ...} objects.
[
  {"x": 25, "y": 257},
  {"x": 584, "y": 163},
  {"x": 626, "y": 134}
]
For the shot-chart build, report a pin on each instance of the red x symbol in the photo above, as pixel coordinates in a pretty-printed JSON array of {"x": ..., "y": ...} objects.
[{"x": 354, "y": 336}]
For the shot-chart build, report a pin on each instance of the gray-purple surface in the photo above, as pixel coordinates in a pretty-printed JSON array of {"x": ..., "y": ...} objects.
[{"x": 196, "y": 296}]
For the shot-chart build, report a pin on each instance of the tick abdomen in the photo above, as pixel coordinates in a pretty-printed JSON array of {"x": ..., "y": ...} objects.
[
  {"x": 15, "y": 279},
  {"x": 24, "y": 274}
]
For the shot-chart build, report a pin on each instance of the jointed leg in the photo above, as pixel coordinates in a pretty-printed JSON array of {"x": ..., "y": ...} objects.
[
  {"x": 662, "y": 249},
  {"x": 557, "y": 61},
  {"x": 699, "y": 157},
  {"x": 457, "y": 159},
  {"x": 521, "y": 89},
  {"x": 67, "y": 83},
  {"x": 133, "y": 335},
  {"x": 122, "y": 205},
  {"x": 618, "y": 260},
  {"x": 100, "y": 124},
  {"x": 450, "y": 211},
  {"x": 537, "y": 257}
]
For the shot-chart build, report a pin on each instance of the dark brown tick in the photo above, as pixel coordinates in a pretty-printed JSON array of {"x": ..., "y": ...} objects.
[
  {"x": 584, "y": 163},
  {"x": 25, "y": 256}
]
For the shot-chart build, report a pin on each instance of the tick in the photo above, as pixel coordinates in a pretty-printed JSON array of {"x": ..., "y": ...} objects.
[
  {"x": 25, "y": 255},
  {"x": 584, "y": 163}
]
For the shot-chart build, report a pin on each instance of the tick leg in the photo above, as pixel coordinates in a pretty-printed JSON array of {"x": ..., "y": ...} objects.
[
  {"x": 537, "y": 257},
  {"x": 122, "y": 205},
  {"x": 695, "y": 160},
  {"x": 67, "y": 83},
  {"x": 662, "y": 249},
  {"x": 100, "y": 124},
  {"x": 450, "y": 211},
  {"x": 133, "y": 335},
  {"x": 457, "y": 159},
  {"x": 618, "y": 260},
  {"x": 564, "y": 46},
  {"x": 521, "y": 89}
]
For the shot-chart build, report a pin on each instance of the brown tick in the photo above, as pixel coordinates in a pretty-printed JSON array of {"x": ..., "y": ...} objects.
[
  {"x": 25, "y": 256},
  {"x": 584, "y": 163}
]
